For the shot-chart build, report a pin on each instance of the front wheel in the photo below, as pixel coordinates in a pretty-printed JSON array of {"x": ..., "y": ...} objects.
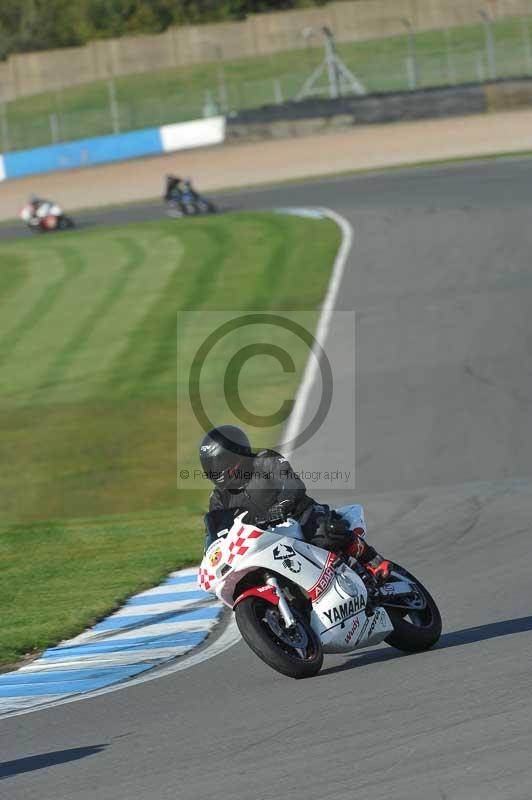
[
  {"x": 416, "y": 628},
  {"x": 296, "y": 653}
]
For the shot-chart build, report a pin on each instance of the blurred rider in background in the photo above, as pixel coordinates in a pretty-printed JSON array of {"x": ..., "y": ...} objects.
[
  {"x": 174, "y": 188},
  {"x": 39, "y": 207},
  {"x": 177, "y": 187}
]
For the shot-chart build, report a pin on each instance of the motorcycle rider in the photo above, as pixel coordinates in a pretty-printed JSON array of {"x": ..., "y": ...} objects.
[
  {"x": 174, "y": 190},
  {"x": 188, "y": 188},
  {"x": 265, "y": 485},
  {"x": 39, "y": 207}
]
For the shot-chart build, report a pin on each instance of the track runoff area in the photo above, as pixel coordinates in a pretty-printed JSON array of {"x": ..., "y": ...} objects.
[{"x": 440, "y": 278}]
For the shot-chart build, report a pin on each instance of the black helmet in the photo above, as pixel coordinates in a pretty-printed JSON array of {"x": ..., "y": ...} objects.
[{"x": 224, "y": 455}]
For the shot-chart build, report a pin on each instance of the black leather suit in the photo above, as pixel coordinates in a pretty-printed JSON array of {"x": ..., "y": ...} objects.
[{"x": 268, "y": 480}]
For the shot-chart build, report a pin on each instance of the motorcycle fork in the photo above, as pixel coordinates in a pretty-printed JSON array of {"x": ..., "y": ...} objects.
[{"x": 284, "y": 608}]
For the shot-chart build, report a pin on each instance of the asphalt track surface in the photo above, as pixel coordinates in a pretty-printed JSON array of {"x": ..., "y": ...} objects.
[{"x": 441, "y": 277}]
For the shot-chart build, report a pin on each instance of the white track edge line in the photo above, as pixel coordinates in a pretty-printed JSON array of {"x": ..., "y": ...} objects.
[
  {"x": 231, "y": 635},
  {"x": 312, "y": 368}
]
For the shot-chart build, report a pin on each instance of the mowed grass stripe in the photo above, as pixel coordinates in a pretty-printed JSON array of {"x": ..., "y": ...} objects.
[
  {"x": 13, "y": 273},
  {"x": 152, "y": 287},
  {"x": 143, "y": 283},
  {"x": 87, "y": 279},
  {"x": 30, "y": 305},
  {"x": 202, "y": 288},
  {"x": 104, "y": 257},
  {"x": 275, "y": 268},
  {"x": 148, "y": 363},
  {"x": 55, "y": 375}
]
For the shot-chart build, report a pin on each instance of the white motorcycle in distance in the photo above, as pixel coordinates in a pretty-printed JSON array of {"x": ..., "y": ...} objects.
[
  {"x": 42, "y": 216},
  {"x": 293, "y": 601}
]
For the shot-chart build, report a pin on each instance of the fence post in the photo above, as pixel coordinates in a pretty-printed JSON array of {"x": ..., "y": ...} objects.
[
  {"x": 210, "y": 109},
  {"x": 222, "y": 86},
  {"x": 490, "y": 44},
  {"x": 411, "y": 60},
  {"x": 411, "y": 73},
  {"x": 113, "y": 105},
  {"x": 278, "y": 91},
  {"x": 54, "y": 128},
  {"x": 526, "y": 44},
  {"x": 223, "y": 101},
  {"x": 451, "y": 72},
  {"x": 59, "y": 108},
  {"x": 3, "y": 122},
  {"x": 481, "y": 75}
]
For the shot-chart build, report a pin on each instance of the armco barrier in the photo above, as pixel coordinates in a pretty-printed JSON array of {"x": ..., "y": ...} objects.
[
  {"x": 119, "y": 147},
  {"x": 316, "y": 115},
  {"x": 320, "y": 115}
]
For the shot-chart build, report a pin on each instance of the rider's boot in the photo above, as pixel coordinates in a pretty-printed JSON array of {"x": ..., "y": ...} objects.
[{"x": 366, "y": 555}]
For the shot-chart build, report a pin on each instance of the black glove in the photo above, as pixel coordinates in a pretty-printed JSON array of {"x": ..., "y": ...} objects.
[
  {"x": 280, "y": 511},
  {"x": 332, "y": 532}
]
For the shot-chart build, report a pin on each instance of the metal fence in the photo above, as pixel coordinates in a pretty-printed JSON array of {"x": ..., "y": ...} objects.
[{"x": 488, "y": 51}]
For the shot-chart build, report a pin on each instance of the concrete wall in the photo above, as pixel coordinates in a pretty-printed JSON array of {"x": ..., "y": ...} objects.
[
  {"x": 106, "y": 149},
  {"x": 32, "y": 73},
  {"x": 316, "y": 116}
]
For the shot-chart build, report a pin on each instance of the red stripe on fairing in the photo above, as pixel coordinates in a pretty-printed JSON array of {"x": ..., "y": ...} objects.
[
  {"x": 325, "y": 579},
  {"x": 265, "y": 592}
]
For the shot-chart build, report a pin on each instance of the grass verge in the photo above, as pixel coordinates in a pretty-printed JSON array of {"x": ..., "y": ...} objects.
[{"x": 89, "y": 395}]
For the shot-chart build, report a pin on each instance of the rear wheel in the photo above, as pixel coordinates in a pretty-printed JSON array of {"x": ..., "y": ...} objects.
[
  {"x": 417, "y": 627},
  {"x": 294, "y": 652},
  {"x": 64, "y": 223},
  {"x": 205, "y": 206}
]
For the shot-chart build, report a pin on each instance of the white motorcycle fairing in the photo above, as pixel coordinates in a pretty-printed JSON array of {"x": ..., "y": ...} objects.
[
  {"x": 46, "y": 215},
  {"x": 338, "y": 595}
]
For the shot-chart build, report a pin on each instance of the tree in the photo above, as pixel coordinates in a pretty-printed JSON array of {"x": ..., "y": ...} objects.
[{"x": 44, "y": 24}]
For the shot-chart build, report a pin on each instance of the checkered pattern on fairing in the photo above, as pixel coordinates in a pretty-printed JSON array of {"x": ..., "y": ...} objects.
[
  {"x": 238, "y": 546},
  {"x": 205, "y": 579}
]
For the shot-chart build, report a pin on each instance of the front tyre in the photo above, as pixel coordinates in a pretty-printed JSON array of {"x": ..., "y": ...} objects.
[
  {"x": 296, "y": 653},
  {"x": 417, "y": 628}
]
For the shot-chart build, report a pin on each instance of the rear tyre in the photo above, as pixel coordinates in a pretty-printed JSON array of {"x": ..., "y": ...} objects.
[
  {"x": 65, "y": 223},
  {"x": 206, "y": 207},
  {"x": 415, "y": 629},
  {"x": 297, "y": 653}
]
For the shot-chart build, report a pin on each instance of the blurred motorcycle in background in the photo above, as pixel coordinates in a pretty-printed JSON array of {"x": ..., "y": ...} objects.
[
  {"x": 42, "y": 216},
  {"x": 183, "y": 200}
]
